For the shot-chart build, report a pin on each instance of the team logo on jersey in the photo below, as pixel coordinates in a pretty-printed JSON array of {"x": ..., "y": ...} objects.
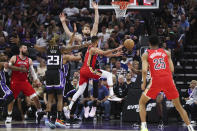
[
  {"x": 22, "y": 63},
  {"x": 157, "y": 54}
]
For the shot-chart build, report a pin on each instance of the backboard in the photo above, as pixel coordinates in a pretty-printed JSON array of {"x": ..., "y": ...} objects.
[{"x": 135, "y": 4}]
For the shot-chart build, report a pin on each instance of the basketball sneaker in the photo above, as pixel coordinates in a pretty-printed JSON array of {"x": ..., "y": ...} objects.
[
  {"x": 8, "y": 119},
  {"x": 86, "y": 111},
  {"x": 92, "y": 112},
  {"x": 114, "y": 98},
  {"x": 49, "y": 124},
  {"x": 144, "y": 129},
  {"x": 66, "y": 112},
  {"x": 59, "y": 123},
  {"x": 71, "y": 122},
  {"x": 39, "y": 115}
]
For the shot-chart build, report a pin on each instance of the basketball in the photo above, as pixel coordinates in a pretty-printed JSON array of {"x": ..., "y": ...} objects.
[{"x": 129, "y": 44}]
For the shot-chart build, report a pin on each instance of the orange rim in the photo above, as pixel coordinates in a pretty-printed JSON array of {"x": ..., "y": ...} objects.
[{"x": 123, "y": 4}]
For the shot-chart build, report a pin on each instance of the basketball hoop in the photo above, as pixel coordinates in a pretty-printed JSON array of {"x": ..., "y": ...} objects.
[{"x": 120, "y": 8}]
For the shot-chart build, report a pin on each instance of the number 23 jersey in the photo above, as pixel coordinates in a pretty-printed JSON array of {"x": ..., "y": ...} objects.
[
  {"x": 54, "y": 58},
  {"x": 158, "y": 63}
]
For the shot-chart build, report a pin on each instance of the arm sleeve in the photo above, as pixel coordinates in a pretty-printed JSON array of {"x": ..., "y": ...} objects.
[{"x": 33, "y": 73}]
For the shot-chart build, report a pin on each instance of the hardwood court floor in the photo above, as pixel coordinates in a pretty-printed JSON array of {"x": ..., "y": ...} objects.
[{"x": 88, "y": 126}]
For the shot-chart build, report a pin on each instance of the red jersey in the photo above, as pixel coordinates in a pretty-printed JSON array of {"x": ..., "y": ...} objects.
[
  {"x": 158, "y": 63},
  {"x": 90, "y": 60},
  {"x": 18, "y": 75}
]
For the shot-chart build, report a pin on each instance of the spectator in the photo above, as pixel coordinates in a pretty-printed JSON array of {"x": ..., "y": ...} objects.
[
  {"x": 102, "y": 101},
  {"x": 120, "y": 69},
  {"x": 43, "y": 40},
  {"x": 129, "y": 83},
  {"x": 132, "y": 34},
  {"x": 184, "y": 24},
  {"x": 5, "y": 34},
  {"x": 71, "y": 10},
  {"x": 171, "y": 41},
  {"x": 14, "y": 42},
  {"x": 3, "y": 44},
  {"x": 102, "y": 61},
  {"x": 42, "y": 17},
  {"x": 104, "y": 37},
  {"x": 28, "y": 39},
  {"x": 191, "y": 101},
  {"x": 121, "y": 91},
  {"x": 41, "y": 70}
]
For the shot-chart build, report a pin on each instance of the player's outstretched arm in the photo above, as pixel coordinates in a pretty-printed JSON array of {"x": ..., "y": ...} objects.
[
  {"x": 71, "y": 58},
  {"x": 117, "y": 54},
  {"x": 170, "y": 61},
  {"x": 11, "y": 67},
  {"x": 41, "y": 49},
  {"x": 33, "y": 73},
  {"x": 105, "y": 53},
  {"x": 67, "y": 31},
  {"x": 75, "y": 47},
  {"x": 73, "y": 36},
  {"x": 96, "y": 19},
  {"x": 144, "y": 69}
]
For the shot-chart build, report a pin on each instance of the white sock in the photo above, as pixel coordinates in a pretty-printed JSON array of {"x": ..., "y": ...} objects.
[
  {"x": 71, "y": 105},
  {"x": 190, "y": 128},
  {"x": 143, "y": 125},
  {"x": 111, "y": 91},
  {"x": 39, "y": 110},
  {"x": 9, "y": 113}
]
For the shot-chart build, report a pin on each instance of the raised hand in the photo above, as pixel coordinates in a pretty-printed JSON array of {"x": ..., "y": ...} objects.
[
  {"x": 120, "y": 53},
  {"x": 62, "y": 17},
  {"x": 75, "y": 27},
  {"x": 37, "y": 83},
  {"x": 119, "y": 48},
  {"x": 95, "y": 5}
]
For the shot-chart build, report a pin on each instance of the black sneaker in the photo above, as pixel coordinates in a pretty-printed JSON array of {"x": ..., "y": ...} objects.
[
  {"x": 71, "y": 122},
  {"x": 161, "y": 125},
  {"x": 77, "y": 119},
  {"x": 39, "y": 116}
]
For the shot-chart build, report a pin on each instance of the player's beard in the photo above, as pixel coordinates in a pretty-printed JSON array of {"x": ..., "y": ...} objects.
[
  {"x": 25, "y": 53},
  {"x": 128, "y": 79},
  {"x": 87, "y": 34}
]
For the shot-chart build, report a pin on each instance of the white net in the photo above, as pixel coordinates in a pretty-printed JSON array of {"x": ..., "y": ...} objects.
[{"x": 120, "y": 9}]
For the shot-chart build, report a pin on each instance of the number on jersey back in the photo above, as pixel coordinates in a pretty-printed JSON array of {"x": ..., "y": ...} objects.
[{"x": 54, "y": 58}]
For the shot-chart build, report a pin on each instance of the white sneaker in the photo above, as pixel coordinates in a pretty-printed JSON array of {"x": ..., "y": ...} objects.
[
  {"x": 59, "y": 123},
  {"x": 8, "y": 119},
  {"x": 66, "y": 112},
  {"x": 92, "y": 112},
  {"x": 178, "y": 63},
  {"x": 86, "y": 111},
  {"x": 114, "y": 98},
  {"x": 190, "y": 128}
]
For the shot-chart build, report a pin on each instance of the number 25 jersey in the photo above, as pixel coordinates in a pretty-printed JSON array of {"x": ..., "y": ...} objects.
[
  {"x": 158, "y": 63},
  {"x": 54, "y": 58}
]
